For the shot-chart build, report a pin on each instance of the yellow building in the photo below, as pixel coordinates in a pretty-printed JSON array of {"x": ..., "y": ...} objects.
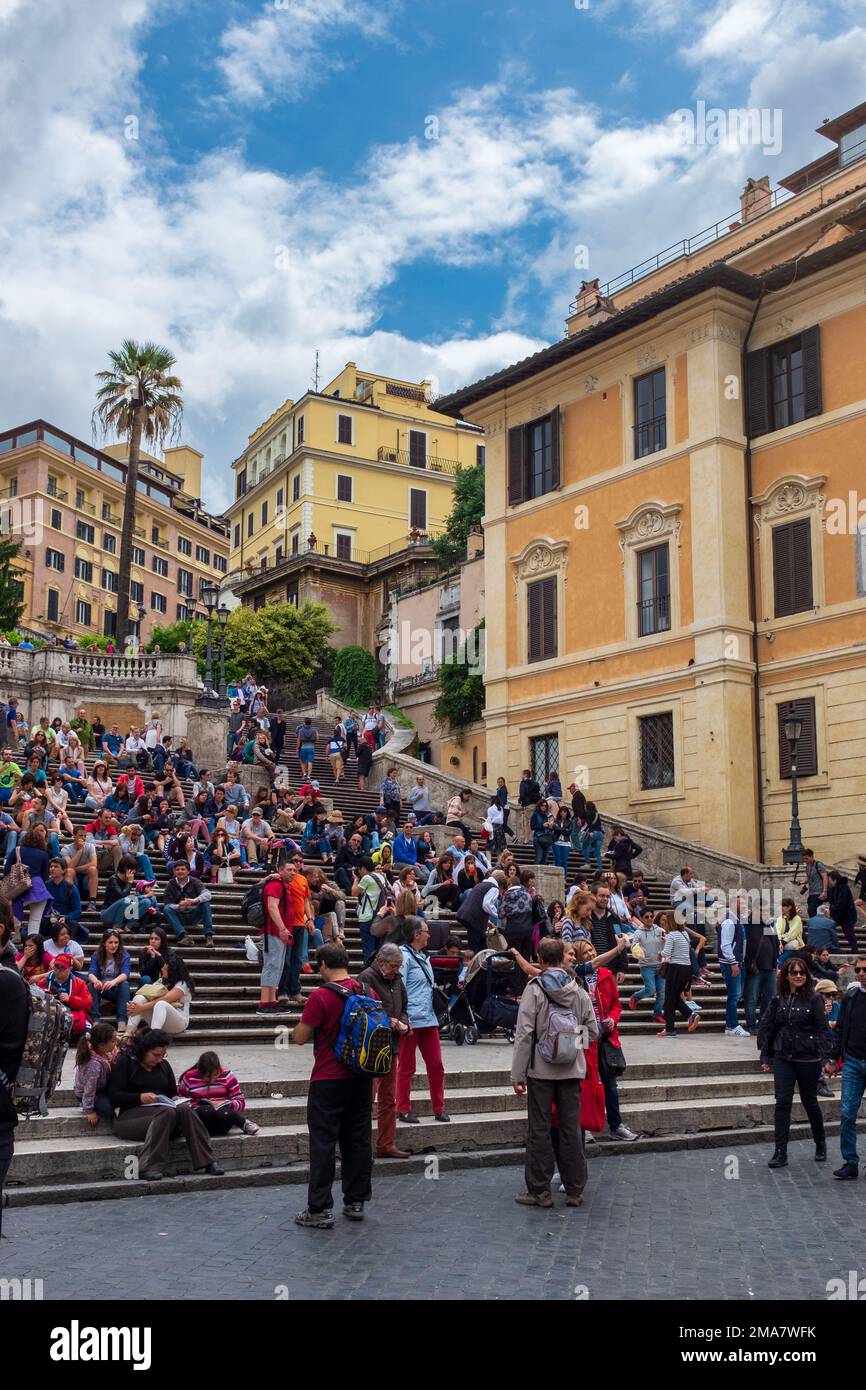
[
  {"x": 341, "y": 490},
  {"x": 63, "y": 499},
  {"x": 675, "y": 529}
]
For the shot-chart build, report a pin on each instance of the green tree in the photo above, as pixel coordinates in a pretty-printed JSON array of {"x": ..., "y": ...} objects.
[
  {"x": 138, "y": 399},
  {"x": 467, "y": 509},
  {"x": 281, "y": 644},
  {"x": 11, "y": 600},
  {"x": 461, "y": 686},
  {"x": 168, "y": 639},
  {"x": 355, "y": 676}
]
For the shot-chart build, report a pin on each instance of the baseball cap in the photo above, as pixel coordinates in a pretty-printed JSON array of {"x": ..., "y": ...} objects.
[{"x": 63, "y": 960}]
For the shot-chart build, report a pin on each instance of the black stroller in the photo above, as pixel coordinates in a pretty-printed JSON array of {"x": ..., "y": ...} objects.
[{"x": 489, "y": 999}]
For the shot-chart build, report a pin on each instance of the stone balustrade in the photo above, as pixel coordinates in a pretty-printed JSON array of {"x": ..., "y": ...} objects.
[{"x": 125, "y": 689}]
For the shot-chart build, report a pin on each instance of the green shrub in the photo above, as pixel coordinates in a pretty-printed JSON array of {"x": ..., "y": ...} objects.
[{"x": 355, "y": 676}]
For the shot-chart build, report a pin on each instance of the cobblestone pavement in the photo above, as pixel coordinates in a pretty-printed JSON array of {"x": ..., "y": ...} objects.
[{"x": 666, "y": 1226}]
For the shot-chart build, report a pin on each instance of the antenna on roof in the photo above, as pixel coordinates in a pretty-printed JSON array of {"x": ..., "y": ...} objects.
[{"x": 316, "y": 372}]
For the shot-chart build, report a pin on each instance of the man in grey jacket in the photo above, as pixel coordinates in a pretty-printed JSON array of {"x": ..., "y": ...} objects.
[{"x": 550, "y": 1082}]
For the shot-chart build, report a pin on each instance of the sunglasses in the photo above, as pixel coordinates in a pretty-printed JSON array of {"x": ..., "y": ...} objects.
[{"x": 860, "y": 970}]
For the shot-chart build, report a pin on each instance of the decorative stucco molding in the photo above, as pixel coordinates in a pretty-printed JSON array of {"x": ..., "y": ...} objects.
[
  {"x": 540, "y": 558},
  {"x": 795, "y": 493},
  {"x": 650, "y": 521}
]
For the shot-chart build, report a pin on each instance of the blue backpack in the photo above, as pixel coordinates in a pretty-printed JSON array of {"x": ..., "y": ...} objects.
[{"x": 365, "y": 1041}]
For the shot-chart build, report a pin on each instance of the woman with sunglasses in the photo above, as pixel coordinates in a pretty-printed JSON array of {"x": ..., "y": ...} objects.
[{"x": 794, "y": 1041}]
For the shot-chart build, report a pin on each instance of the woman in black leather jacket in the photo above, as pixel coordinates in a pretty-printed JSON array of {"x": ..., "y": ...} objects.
[{"x": 794, "y": 1041}]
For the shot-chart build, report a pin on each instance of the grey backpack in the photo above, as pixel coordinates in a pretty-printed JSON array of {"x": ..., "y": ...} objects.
[{"x": 562, "y": 1038}]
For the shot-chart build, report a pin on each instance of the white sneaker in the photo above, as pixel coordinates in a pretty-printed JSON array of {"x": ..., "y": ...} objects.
[
  {"x": 737, "y": 1032},
  {"x": 588, "y": 1136},
  {"x": 623, "y": 1132}
]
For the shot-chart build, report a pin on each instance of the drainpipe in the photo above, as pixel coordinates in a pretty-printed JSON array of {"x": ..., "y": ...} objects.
[{"x": 753, "y": 603}]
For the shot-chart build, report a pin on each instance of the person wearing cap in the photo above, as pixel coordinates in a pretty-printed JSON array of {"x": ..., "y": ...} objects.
[
  {"x": 186, "y": 901},
  {"x": 256, "y": 835},
  {"x": 70, "y": 990},
  {"x": 829, "y": 992},
  {"x": 336, "y": 833},
  {"x": 391, "y": 795}
]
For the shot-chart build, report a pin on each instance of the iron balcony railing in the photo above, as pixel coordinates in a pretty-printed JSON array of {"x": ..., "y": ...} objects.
[
  {"x": 654, "y": 615},
  {"x": 405, "y": 459},
  {"x": 650, "y": 436}
]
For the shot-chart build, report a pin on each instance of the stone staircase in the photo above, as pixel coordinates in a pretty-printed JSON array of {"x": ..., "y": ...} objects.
[
  {"x": 62, "y": 1159},
  {"x": 673, "y": 1102}
]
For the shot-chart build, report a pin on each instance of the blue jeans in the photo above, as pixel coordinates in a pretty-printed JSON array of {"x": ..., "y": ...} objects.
[
  {"x": 143, "y": 867},
  {"x": 560, "y": 856},
  {"x": 54, "y": 844},
  {"x": 734, "y": 987},
  {"x": 114, "y": 916},
  {"x": 853, "y": 1086},
  {"x": 120, "y": 994},
  {"x": 590, "y": 846},
  {"x": 369, "y": 944},
  {"x": 758, "y": 990},
  {"x": 653, "y": 984},
  {"x": 542, "y": 852},
  {"x": 290, "y": 980},
  {"x": 180, "y": 921}
]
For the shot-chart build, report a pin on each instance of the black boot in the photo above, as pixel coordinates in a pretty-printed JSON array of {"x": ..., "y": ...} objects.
[
  {"x": 820, "y": 1150},
  {"x": 780, "y": 1157}
]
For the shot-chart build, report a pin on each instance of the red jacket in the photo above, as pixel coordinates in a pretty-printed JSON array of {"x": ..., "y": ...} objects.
[
  {"x": 607, "y": 1002},
  {"x": 80, "y": 1001}
]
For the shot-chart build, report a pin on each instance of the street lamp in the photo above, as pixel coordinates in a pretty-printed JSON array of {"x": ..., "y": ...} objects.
[
  {"x": 792, "y": 727},
  {"x": 209, "y": 596},
  {"x": 222, "y": 619}
]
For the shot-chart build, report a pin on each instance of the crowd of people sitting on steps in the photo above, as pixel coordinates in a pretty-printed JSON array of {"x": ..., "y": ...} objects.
[{"x": 427, "y": 917}]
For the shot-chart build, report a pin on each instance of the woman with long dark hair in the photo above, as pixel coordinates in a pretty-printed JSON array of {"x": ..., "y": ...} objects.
[
  {"x": 795, "y": 1041},
  {"x": 142, "y": 1089},
  {"x": 168, "y": 1012}
]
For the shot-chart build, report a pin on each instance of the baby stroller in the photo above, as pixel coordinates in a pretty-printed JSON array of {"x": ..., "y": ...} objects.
[{"x": 489, "y": 1000}]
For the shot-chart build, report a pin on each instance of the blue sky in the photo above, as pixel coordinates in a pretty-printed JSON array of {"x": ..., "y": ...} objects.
[{"x": 301, "y": 127}]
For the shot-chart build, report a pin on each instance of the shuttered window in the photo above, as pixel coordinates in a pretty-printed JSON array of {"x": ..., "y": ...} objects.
[
  {"x": 807, "y": 748},
  {"x": 541, "y": 614},
  {"x": 418, "y": 508},
  {"x": 344, "y": 429},
  {"x": 783, "y": 383},
  {"x": 534, "y": 458},
  {"x": 792, "y": 568},
  {"x": 657, "y": 768},
  {"x": 417, "y": 449},
  {"x": 344, "y": 487},
  {"x": 344, "y": 546}
]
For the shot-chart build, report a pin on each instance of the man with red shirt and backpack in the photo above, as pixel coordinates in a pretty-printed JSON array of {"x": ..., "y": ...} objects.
[
  {"x": 279, "y": 907},
  {"x": 339, "y": 1100}
]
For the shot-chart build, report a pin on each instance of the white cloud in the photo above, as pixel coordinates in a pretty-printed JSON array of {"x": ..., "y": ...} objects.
[
  {"x": 292, "y": 46},
  {"x": 102, "y": 238}
]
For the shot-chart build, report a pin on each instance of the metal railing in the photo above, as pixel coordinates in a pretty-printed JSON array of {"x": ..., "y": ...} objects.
[
  {"x": 725, "y": 226},
  {"x": 57, "y": 494},
  {"x": 83, "y": 506},
  {"x": 426, "y": 677},
  {"x": 163, "y": 545},
  {"x": 109, "y": 517},
  {"x": 654, "y": 615},
  {"x": 428, "y": 463},
  {"x": 650, "y": 436}
]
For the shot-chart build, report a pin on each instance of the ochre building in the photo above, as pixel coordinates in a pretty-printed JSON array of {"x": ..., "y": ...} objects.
[{"x": 675, "y": 529}]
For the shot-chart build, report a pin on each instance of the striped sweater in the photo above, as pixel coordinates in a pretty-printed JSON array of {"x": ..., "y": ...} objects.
[{"x": 222, "y": 1089}]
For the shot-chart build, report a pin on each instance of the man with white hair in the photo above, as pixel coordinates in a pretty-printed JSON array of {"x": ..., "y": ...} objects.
[{"x": 382, "y": 978}]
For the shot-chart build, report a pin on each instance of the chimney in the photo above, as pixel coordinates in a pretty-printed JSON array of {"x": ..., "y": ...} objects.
[
  {"x": 756, "y": 198},
  {"x": 474, "y": 544},
  {"x": 592, "y": 303}
]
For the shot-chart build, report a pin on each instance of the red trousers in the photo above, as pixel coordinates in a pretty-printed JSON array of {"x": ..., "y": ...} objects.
[
  {"x": 385, "y": 1096},
  {"x": 427, "y": 1040}
]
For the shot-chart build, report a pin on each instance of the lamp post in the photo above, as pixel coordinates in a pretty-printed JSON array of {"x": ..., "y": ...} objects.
[
  {"x": 209, "y": 596},
  {"x": 222, "y": 619},
  {"x": 793, "y": 729}
]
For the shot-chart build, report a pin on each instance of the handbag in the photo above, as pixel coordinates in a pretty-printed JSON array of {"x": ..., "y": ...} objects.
[
  {"x": 610, "y": 1058},
  {"x": 153, "y": 991},
  {"x": 224, "y": 874},
  {"x": 17, "y": 881},
  {"x": 494, "y": 940}
]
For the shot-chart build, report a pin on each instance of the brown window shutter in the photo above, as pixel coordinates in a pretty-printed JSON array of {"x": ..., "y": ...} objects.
[
  {"x": 757, "y": 396},
  {"x": 418, "y": 508},
  {"x": 534, "y": 619},
  {"x": 516, "y": 446},
  {"x": 792, "y": 568},
  {"x": 549, "y": 619},
  {"x": 807, "y": 748},
  {"x": 417, "y": 449},
  {"x": 810, "y": 342},
  {"x": 555, "y": 445}
]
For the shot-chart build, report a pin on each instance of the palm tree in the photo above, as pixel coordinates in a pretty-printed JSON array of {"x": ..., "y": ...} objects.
[{"x": 138, "y": 398}]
